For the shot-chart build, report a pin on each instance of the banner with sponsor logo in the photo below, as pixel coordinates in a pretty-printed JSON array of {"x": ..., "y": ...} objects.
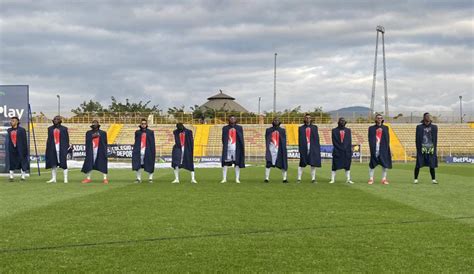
[
  {"x": 125, "y": 151},
  {"x": 460, "y": 160},
  {"x": 14, "y": 100},
  {"x": 202, "y": 159},
  {"x": 113, "y": 151},
  {"x": 326, "y": 152}
]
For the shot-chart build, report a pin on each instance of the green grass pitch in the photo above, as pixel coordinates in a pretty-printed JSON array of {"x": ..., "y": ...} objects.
[{"x": 252, "y": 226}]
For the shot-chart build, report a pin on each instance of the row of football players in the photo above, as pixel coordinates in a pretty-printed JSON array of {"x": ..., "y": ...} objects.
[{"x": 233, "y": 150}]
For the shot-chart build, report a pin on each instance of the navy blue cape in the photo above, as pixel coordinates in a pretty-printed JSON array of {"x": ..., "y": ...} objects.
[
  {"x": 101, "y": 161},
  {"x": 282, "y": 157},
  {"x": 342, "y": 151},
  {"x": 240, "y": 145},
  {"x": 188, "y": 157},
  {"x": 50, "y": 155},
  {"x": 150, "y": 151},
  {"x": 429, "y": 160},
  {"x": 18, "y": 156},
  {"x": 314, "y": 157},
  {"x": 385, "y": 156}
]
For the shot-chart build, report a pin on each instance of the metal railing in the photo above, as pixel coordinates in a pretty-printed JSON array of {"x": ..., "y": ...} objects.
[{"x": 250, "y": 118}]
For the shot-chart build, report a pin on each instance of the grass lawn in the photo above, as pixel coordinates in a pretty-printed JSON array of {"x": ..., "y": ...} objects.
[{"x": 250, "y": 226}]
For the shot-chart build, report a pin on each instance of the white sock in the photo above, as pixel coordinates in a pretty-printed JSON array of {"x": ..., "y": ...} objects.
[
  {"x": 11, "y": 174},
  {"x": 88, "y": 175},
  {"x": 348, "y": 175},
  {"x": 384, "y": 173},
  {"x": 313, "y": 173},
  {"x": 23, "y": 174},
  {"x": 284, "y": 173},
  {"x": 65, "y": 172},
  {"x": 267, "y": 173},
  {"x": 237, "y": 173},
  {"x": 192, "y": 176},
  {"x": 54, "y": 172},
  {"x": 371, "y": 173},
  {"x": 150, "y": 176},
  {"x": 333, "y": 175},
  {"x": 176, "y": 173},
  {"x": 224, "y": 172},
  {"x": 300, "y": 173},
  {"x": 139, "y": 174},
  {"x": 105, "y": 176}
]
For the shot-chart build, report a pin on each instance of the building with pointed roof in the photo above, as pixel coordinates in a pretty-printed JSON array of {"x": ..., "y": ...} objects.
[{"x": 223, "y": 102}]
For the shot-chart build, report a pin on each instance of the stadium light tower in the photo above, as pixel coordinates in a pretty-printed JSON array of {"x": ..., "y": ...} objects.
[
  {"x": 274, "y": 84},
  {"x": 460, "y": 107},
  {"x": 379, "y": 29},
  {"x": 259, "y": 100},
  {"x": 59, "y": 104}
]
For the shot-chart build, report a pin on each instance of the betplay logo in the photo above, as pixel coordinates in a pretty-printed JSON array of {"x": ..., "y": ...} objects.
[{"x": 11, "y": 112}]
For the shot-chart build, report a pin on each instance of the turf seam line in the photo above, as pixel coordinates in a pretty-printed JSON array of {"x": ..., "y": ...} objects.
[{"x": 128, "y": 242}]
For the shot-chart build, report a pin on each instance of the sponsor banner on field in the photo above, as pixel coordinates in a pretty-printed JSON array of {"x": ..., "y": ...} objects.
[
  {"x": 208, "y": 159},
  {"x": 165, "y": 159},
  {"x": 125, "y": 151},
  {"x": 120, "y": 151},
  {"x": 326, "y": 152},
  {"x": 460, "y": 160},
  {"x": 113, "y": 151},
  {"x": 204, "y": 159},
  {"x": 13, "y": 103}
]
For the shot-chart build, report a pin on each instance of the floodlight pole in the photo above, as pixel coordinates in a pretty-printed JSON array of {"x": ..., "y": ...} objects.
[
  {"x": 259, "y": 100},
  {"x": 379, "y": 29},
  {"x": 274, "y": 84},
  {"x": 59, "y": 104}
]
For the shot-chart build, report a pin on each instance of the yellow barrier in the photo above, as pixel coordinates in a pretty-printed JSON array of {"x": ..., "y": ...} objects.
[
  {"x": 201, "y": 139},
  {"x": 113, "y": 132},
  {"x": 292, "y": 134},
  {"x": 398, "y": 151}
]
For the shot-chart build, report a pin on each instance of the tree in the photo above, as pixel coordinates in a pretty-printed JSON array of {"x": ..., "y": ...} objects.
[
  {"x": 295, "y": 115},
  {"x": 128, "y": 107},
  {"x": 398, "y": 116},
  {"x": 91, "y": 107},
  {"x": 202, "y": 112},
  {"x": 176, "y": 111}
]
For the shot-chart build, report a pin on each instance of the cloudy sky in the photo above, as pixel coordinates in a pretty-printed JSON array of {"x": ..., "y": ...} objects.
[{"x": 182, "y": 53}]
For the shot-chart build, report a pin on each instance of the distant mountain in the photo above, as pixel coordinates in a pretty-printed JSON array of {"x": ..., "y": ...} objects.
[{"x": 350, "y": 112}]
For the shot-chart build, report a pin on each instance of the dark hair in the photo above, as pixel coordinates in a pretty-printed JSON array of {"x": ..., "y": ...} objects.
[
  {"x": 307, "y": 114},
  {"x": 426, "y": 113},
  {"x": 275, "y": 118},
  {"x": 16, "y": 118},
  {"x": 59, "y": 118}
]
